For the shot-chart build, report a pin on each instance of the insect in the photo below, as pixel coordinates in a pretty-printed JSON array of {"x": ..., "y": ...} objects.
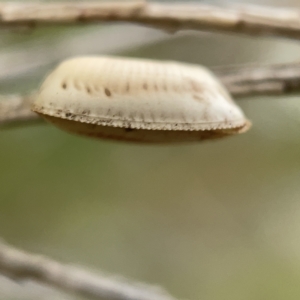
[{"x": 138, "y": 100}]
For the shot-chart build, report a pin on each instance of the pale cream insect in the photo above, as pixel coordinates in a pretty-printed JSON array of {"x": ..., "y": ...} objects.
[{"x": 138, "y": 100}]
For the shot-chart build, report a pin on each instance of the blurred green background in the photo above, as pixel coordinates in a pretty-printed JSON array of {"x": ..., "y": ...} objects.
[{"x": 218, "y": 220}]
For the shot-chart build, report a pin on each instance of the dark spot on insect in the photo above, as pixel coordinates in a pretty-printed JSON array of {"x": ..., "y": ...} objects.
[
  {"x": 64, "y": 85},
  {"x": 145, "y": 86},
  {"x": 68, "y": 115},
  {"x": 77, "y": 86},
  {"x": 107, "y": 92},
  {"x": 88, "y": 90},
  {"x": 205, "y": 115},
  {"x": 127, "y": 87},
  {"x": 129, "y": 129},
  {"x": 175, "y": 88},
  {"x": 198, "y": 98},
  {"x": 196, "y": 87}
]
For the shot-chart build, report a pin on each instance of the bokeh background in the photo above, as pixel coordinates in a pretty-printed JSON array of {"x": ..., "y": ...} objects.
[{"x": 218, "y": 220}]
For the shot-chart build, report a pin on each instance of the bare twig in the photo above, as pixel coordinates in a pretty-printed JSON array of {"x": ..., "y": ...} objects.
[
  {"x": 241, "y": 81},
  {"x": 243, "y": 19},
  {"x": 20, "y": 265},
  {"x": 30, "y": 290},
  {"x": 17, "y": 62},
  {"x": 15, "y": 110},
  {"x": 249, "y": 81}
]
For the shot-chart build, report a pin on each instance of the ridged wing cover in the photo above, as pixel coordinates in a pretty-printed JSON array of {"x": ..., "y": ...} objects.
[{"x": 135, "y": 93}]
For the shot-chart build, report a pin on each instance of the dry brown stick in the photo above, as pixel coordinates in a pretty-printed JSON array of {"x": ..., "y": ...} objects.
[
  {"x": 243, "y": 19},
  {"x": 241, "y": 81},
  {"x": 20, "y": 265}
]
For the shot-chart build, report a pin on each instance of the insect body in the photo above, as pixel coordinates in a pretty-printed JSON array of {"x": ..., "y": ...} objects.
[{"x": 138, "y": 100}]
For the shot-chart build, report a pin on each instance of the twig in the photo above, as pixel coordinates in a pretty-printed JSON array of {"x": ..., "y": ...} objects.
[
  {"x": 15, "y": 110},
  {"x": 30, "y": 290},
  {"x": 23, "y": 62},
  {"x": 249, "y": 81},
  {"x": 243, "y": 19},
  {"x": 20, "y": 265},
  {"x": 241, "y": 81}
]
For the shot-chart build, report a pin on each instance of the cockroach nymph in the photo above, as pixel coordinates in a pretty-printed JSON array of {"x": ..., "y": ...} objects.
[{"x": 138, "y": 100}]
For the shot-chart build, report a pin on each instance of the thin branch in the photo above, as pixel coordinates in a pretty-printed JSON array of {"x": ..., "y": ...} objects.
[
  {"x": 20, "y": 265},
  {"x": 15, "y": 110},
  {"x": 19, "y": 62},
  {"x": 249, "y": 81},
  {"x": 242, "y": 19},
  {"x": 241, "y": 81},
  {"x": 30, "y": 290}
]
